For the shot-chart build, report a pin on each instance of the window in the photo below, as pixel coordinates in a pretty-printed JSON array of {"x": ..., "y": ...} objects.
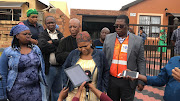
[
  {"x": 10, "y": 14},
  {"x": 151, "y": 31}
]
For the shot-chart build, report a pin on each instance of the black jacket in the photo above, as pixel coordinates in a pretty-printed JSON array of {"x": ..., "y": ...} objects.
[
  {"x": 47, "y": 48},
  {"x": 65, "y": 47}
]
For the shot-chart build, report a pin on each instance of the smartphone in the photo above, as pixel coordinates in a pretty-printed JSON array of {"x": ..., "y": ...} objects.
[{"x": 132, "y": 74}]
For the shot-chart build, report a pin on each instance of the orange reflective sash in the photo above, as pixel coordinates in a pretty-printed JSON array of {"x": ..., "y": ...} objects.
[{"x": 119, "y": 62}]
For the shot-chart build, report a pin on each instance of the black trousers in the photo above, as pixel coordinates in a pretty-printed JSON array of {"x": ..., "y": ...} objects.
[{"x": 119, "y": 88}]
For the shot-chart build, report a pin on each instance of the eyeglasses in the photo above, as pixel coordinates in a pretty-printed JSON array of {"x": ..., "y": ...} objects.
[
  {"x": 27, "y": 34},
  {"x": 119, "y": 26}
]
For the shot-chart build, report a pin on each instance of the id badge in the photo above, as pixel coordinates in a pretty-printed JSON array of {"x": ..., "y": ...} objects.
[{"x": 124, "y": 48}]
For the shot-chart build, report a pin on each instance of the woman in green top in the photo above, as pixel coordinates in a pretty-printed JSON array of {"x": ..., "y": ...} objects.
[{"x": 162, "y": 42}]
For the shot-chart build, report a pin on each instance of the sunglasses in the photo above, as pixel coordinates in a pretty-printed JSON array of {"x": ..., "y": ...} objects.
[
  {"x": 119, "y": 26},
  {"x": 27, "y": 34}
]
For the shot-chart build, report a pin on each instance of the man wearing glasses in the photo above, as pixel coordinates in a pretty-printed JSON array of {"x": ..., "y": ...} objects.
[
  {"x": 124, "y": 50},
  {"x": 48, "y": 42}
]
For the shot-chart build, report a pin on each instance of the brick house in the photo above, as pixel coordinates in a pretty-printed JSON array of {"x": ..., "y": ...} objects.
[
  {"x": 14, "y": 11},
  {"x": 158, "y": 12},
  {"x": 94, "y": 20}
]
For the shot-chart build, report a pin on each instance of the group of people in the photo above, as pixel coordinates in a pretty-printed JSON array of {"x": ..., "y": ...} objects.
[{"x": 32, "y": 68}]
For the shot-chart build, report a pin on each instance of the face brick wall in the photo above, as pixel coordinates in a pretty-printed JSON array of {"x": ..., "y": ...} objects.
[
  {"x": 5, "y": 27},
  {"x": 61, "y": 20},
  {"x": 77, "y": 13}
]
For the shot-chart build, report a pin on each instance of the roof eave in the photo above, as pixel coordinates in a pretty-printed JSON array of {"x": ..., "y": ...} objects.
[{"x": 125, "y": 7}]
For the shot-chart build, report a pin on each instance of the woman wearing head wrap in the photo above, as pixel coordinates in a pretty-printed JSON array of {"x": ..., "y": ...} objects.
[
  {"x": 162, "y": 42},
  {"x": 32, "y": 24},
  {"x": 22, "y": 68},
  {"x": 89, "y": 59}
]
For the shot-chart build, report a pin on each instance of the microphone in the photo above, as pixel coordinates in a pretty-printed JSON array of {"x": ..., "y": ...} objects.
[{"x": 88, "y": 73}]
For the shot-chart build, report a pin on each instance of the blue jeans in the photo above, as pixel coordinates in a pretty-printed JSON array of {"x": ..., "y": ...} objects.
[{"x": 54, "y": 81}]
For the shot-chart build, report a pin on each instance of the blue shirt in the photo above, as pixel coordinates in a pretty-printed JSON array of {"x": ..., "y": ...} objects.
[
  {"x": 97, "y": 44},
  {"x": 143, "y": 36},
  {"x": 172, "y": 89}
]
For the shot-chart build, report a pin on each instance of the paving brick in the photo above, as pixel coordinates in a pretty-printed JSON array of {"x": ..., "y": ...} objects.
[
  {"x": 154, "y": 90},
  {"x": 145, "y": 97},
  {"x": 150, "y": 93}
]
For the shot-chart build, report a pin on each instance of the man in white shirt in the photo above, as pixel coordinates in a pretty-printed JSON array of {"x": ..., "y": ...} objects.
[{"x": 48, "y": 42}]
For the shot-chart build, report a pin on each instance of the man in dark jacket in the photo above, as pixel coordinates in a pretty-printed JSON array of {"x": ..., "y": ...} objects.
[
  {"x": 69, "y": 43},
  {"x": 48, "y": 42}
]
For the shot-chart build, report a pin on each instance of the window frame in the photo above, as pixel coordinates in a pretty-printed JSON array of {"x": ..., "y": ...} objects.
[
  {"x": 149, "y": 29},
  {"x": 12, "y": 12}
]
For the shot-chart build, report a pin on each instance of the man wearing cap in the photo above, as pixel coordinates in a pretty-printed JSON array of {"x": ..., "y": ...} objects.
[{"x": 34, "y": 27}]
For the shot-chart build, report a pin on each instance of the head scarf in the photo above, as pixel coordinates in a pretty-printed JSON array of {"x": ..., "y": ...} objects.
[
  {"x": 31, "y": 11},
  {"x": 162, "y": 31},
  {"x": 18, "y": 29},
  {"x": 83, "y": 37}
]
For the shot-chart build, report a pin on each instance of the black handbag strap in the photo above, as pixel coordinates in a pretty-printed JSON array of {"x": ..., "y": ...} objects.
[{"x": 93, "y": 72}]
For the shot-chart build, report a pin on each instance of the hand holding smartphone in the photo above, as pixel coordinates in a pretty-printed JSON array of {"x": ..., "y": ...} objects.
[{"x": 131, "y": 74}]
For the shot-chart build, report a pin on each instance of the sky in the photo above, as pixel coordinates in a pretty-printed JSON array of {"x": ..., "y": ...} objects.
[{"x": 96, "y": 4}]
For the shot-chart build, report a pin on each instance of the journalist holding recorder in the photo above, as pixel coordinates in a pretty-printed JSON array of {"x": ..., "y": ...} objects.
[
  {"x": 89, "y": 59},
  {"x": 101, "y": 96}
]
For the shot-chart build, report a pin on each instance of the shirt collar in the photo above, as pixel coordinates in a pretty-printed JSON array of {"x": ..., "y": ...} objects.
[
  {"x": 121, "y": 37},
  {"x": 55, "y": 32}
]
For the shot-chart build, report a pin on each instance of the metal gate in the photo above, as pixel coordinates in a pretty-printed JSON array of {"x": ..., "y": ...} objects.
[{"x": 156, "y": 60}]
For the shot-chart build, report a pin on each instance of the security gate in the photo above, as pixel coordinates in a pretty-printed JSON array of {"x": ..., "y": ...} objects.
[{"x": 156, "y": 60}]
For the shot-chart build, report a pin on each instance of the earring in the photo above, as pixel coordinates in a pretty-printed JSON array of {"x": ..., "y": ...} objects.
[{"x": 91, "y": 44}]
